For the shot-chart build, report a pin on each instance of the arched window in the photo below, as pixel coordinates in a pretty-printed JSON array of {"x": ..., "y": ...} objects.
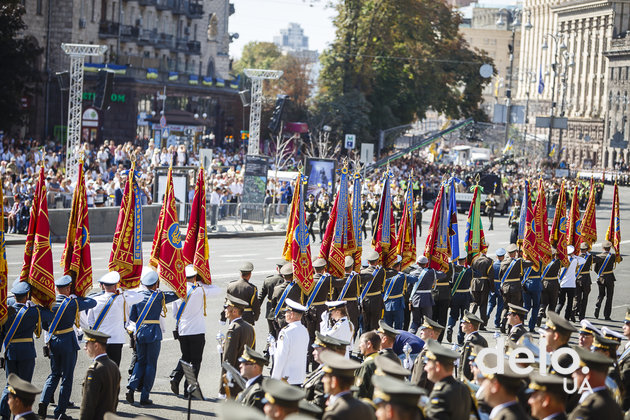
[{"x": 210, "y": 71}]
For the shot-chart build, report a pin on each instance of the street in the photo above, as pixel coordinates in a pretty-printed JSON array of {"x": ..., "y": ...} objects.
[{"x": 226, "y": 255}]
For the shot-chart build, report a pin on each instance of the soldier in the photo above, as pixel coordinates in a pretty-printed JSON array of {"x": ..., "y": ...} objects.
[
  {"x": 63, "y": 346},
  {"x": 501, "y": 391},
  {"x": 624, "y": 363},
  {"x": 583, "y": 282},
  {"x": 348, "y": 290},
  {"x": 148, "y": 335},
  {"x": 449, "y": 399},
  {"x": 495, "y": 299},
  {"x": 567, "y": 281},
  {"x": 335, "y": 322},
  {"x": 240, "y": 333},
  {"x": 510, "y": 274},
  {"x": 397, "y": 207},
  {"x": 548, "y": 400},
  {"x": 111, "y": 312},
  {"x": 281, "y": 399},
  {"x": 394, "y": 295},
  {"x": 190, "y": 327},
  {"x": 551, "y": 286},
  {"x": 316, "y": 301},
  {"x": 313, "y": 384},
  {"x": 388, "y": 367},
  {"x": 323, "y": 208},
  {"x": 491, "y": 208},
  {"x": 418, "y": 208},
  {"x": 396, "y": 399},
  {"x": 288, "y": 289},
  {"x": 516, "y": 317},
  {"x": 23, "y": 320},
  {"x": 587, "y": 333},
  {"x": 470, "y": 327},
  {"x": 421, "y": 299},
  {"x": 310, "y": 209},
  {"x": 373, "y": 213},
  {"x": 371, "y": 300},
  {"x": 532, "y": 289},
  {"x": 269, "y": 284},
  {"x": 102, "y": 380},
  {"x": 22, "y": 396},
  {"x": 338, "y": 379},
  {"x": 596, "y": 401},
  {"x": 387, "y": 335},
  {"x": 604, "y": 266},
  {"x": 482, "y": 283},
  {"x": 557, "y": 332},
  {"x": 245, "y": 290},
  {"x": 292, "y": 346},
  {"x": 430, "y": 330},
  {"x": 513, "y": 221},
  {"x": 441, "y": 293},
  {"x": 369, "y": 345},
  {"x": 251, "y": 364},
  {"x": 365, "y": 215},
  {"x": 608, "y": 347},
  {"x": 460, "y": 298}
]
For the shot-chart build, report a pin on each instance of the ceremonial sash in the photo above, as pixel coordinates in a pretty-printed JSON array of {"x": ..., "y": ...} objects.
[
  {"x": 458, "y": 281},
  {"x": 581, "y": 266},
  {"x": 415, "y": 286},
  {"x": 528, "y": 271},
  {"x": 57, "y": 317},
  {"x": 282, "y": 299},
  {"x": 624, "y": 354},
  {"x": 104, "y": 311},
  {"x": 601, "y": 269},
  {"x": 390, "y": 286},
  {"x": 14, "y": 326},
  {"x": 318, "y": 286},
  {"x": 365, "y": 290},
  {"x": 507, "y": 272},
  {"x": 145, "y": 310},
  {"x": 546, "y": 270},
  {"x": 180, "y": 312},
  {"x": 346, "y": 286}
]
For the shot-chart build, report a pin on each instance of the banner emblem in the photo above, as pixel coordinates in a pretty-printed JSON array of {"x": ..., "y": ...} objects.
[
  {"x": 174, "y": 236},
  {"x": 563, "y": 225},
  {"x": 85, "y": 235}
]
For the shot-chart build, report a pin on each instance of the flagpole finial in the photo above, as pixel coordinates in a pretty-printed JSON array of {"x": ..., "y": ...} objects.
[{"x": 132, "y": 158}]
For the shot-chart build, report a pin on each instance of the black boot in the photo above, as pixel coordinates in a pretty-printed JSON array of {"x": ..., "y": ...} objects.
[
  {"x": 129, "y": 396},
  {"x": 597, "y": 312},
  {"x": 449, "y": 335},
  {"x": 41, "y": 411}
]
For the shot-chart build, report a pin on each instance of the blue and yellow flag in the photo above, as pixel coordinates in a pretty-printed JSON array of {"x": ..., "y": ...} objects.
[
  {"x": 207, "y": 81},
  {"x": 552, "y": 153},
  {"x": 152, "y": 73},
  {"x": 193, "y": 79},
  {"x": 173, "y": 75},
  {"x": 357, "y": 220}
]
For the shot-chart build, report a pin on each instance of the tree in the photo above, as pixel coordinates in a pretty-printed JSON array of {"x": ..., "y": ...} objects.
[
  {"x": 403, "y": 57},
  {"x": 257, "y": 55},
  {"x": 18, "y": 62}
]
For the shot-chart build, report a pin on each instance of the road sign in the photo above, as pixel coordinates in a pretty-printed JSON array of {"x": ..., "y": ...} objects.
[
  {"x": 367, "y": 153},
  {"x": 558, "y": 122},
  {"x": 350, "y": 141},
  {"x": 517, "y": 114},
  {"x": 165, "y": 132},
  {"x": 162, "y": 121}
]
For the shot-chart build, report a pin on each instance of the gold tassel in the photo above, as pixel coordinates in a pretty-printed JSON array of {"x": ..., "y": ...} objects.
[
  {"x": 164, "y": 311},
  {"x": 38, "y": 328},
  {"x": 76, "y": 317}
]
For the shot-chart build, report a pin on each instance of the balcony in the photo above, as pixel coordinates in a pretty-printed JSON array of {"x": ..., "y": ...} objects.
[
  {"x": 109, "y": 29},
  {"x": 165, "y": 41},
  {"x": 192, "y": 9},
  {"x": 165, "y": 4},
  {"x": 148, "y": 37},
  {"x": 148, "y": 2},
  {"x": 195, "y": 11}
]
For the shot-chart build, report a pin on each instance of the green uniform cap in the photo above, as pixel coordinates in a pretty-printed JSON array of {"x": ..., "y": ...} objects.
[
  {"x": 384, "y": 328},
  {"x": 21, "y": 388},
  {"x": 281, "y": 393},
  {"x": 252, "y": 356},
  {"x": 395, "y": 391},
  {"x": 97, "y": 336},
  {"x": 558, "y": 323},
  {"x": 593, "y": 359},
  {"x": 387, "y": 367},
  {"x": 338, "y": 365}
]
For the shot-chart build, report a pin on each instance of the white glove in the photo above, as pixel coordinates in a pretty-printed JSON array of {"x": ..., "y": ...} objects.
[
  {"x": 29, "y": 303},
  {"x": 73, "y": 296},
  {"x": 222, "y": 322},
  {"x": 219, "y": 349}
]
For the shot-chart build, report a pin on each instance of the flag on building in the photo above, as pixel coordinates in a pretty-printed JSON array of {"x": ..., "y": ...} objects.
[
  {"x": 193, "y": 79},
  {"x": 588, "y": 226},
  {"x": 339, "y": 240},
  {"x": 173, "y": 75},
  {"x": 126, "y": 255},
  {"x": 613, "y": 234},
  {"x": 541, "y": 82},
  {"x": 357, "y": 220},
  {"x": 234, "y": 84},
  {"x": 206, "y": 81},
  {"x": 437, "y": 248},
  {"x": 76, "y": 257},
  {"x": 219, "y": 82},
  {"x": 300, "y": 252},
  {"x": 475, "y": 238},
  {"x": 37, "y": 268},
  {"x": 4, "y": 273},
  {"x": 406, "y": 237},
  {"x": 558, "y": 237},
  {"x": 452, "y": 218},
  {"x": 196, "y": 250},
  {"x": 384, "y": 240},
  {"x": 573, "y": 220},
  {"x": 522, "y": 220},
  {"x": 166, "y": 253},
  {"x": 152, "y": 73}
]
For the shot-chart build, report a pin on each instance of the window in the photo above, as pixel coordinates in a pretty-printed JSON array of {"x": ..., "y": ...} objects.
[{"x": 39, "y": 7}]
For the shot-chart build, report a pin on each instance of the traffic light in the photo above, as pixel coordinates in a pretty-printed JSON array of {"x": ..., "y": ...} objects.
[{"x": 276, "y": 117}]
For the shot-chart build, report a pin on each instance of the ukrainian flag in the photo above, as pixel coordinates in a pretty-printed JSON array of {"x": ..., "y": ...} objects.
[
  {"x": 116, "y": 68},
  {"x": 220, "y": 82},
  {"x": 234, "y": 83},
  {"x": 207, "y": 81},
  {"x": 553, "y": 150},
  {"x": 509, "y": 146},
  {"x": 173, "y": 75},
  {"x": 193, "y": 79},
  {"x": 152, "y": 73},
  {"x": 93, "y": 67}
]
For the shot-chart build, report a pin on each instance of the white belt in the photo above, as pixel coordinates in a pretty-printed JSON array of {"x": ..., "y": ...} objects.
[{"x": 423, "y": 291}]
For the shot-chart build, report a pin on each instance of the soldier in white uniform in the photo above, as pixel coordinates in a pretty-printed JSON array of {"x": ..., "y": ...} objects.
[
  {"x": 111, "y": 313},
  {"x": 190, "y": 326},
  {"x": 292, "y": 346},
  {"x": 335, "y": 322}
]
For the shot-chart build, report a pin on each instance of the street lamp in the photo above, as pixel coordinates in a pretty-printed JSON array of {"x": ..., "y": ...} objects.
[{"x": 513, "y": 22}]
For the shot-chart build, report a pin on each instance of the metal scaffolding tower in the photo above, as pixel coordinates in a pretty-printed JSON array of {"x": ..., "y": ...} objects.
[
  {"x": 77, "y": 53},
  {"x": 257, "y": 77}
]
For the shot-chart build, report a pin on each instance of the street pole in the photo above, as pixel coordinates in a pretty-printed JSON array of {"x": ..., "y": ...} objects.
[
  {"x": 508, "y": 92},
  {"x": 553, "y": 105}
]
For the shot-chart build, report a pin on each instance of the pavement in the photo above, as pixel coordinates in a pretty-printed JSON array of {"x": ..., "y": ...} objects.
[{"x": 226, "y": 254}]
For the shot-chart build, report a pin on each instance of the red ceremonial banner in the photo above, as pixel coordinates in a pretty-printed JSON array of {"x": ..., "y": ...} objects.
[
  {"x": 292, "y": 221},
  {"x": 300, "y": 248},
  {"x": 196, "y": 251},
  {"x": 529, "y": 241},
  {"x": 384, "y": 240},
  {"x": 613, "y": 234},
  {"x": 543, "y": 247},
  {"x": 588, "y": 227},
  {"x": 166, "y": 254},
  {"x": 406, "y": 237},
  {"x": 437, "y": 249},
  {"x": 558, "y": 236},
  {"x": 76, "y": 259},
  {"x": 573, "y": 234},
  {"x": 37, "y": 268},
  {"x": 4, "y": 273}
]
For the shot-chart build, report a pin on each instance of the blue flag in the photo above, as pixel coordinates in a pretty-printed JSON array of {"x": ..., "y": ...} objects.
[
  {"x": 452, "y": 218},
  {"x": 541, "y": 82},
  {"x": 523, "y": 214}
]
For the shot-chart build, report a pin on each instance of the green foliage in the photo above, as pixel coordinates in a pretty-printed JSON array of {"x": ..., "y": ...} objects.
[
  {"x": 403, "y": 57},
  {"x": 18, "y": 62},
  {"x": 257, "y": 55}
]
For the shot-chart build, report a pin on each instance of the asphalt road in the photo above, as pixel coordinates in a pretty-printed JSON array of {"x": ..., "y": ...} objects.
[{"x": 225, "y": 257}]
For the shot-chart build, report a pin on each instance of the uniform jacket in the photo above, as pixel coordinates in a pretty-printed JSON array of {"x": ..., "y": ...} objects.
[
  {"x": 294, "y": 294},
  {"x": 353, "y": 288},
  {"x": 253, "y": 394},
  {"x": 267, "y": 290},
  {"x": 470, "y": 340},
  {"x": 585, "y": 274},
  {"x": 114, "y": 322},
  {"x": 314, "y": 388},
  {"x": 513, "y": 412},
  {"x": 396, "y": 300},
  {"x": 239, "y": 334},
  {"x": 150, "y": 332},
  {"x": 347, "y": 407},
  {"x": 363, "y": 377},
  {"x": 377, "y": 285},
  {"x": 483, "y": 274},
  {"x": 26, "y": 329},
  {"x": 554, "y": 270},
  {"x": 450, "y": 399},
  {"x": 67, "y": 341},
  {"x": 624, "y": 370},
  {"x": 517, "y": 270},
  {"x": 423, "y": 296},
  {"x": 607, "y": 272},
  {"x": 100, "y": 389},
  {"x": 598, "y": 405},
  {"x": 290, "y": 355},
  {"x": 243, "y": 289}
]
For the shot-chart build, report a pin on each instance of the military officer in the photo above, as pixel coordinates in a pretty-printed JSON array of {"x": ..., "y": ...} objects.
[
  {"x": 532, "y": 289},
  {"x": 510, "y": 274},
  {"x": 583, "y": 282},
  {"x": 587, "y": 332},
  {"x": 245, "y": 290},
  {"x": 495, "y": 299},
  {"x": 394, "y": 295},
  {"x": 491, "y": 208},
  {"x": 624, "y": 363},
  {"x": 596, "y": 401},
  {"x": 251, "y": 365},
  {"x": 62, "y": 342},
  {"x": 551, "y": 286},
  {"x": 323, "y": 208},
  {"x": 288, "y": 289},
  {"x": 347, "y": 289},
  {"x": 395, "y": 399},
  {"x": 441, "y": 293},
  {"x": 388, "y": 367},
  {"x": 604, "y": 266},
  {"x": 420, "y": 298},
  {"x": 111, "y": 313},
  {"x": 335, "y": 322},
  {"x": 190, "y": 326},
  {"x": 470, "y": 327},
  {"x": 372, "y": 285},
  {"x": 310, "y": 210},
  {"x": 316, "y": 301},
  {"x": 450, "y": 398},
  {"x": 548, "y": 400},
  {"x": 515, "y": 216},
  {"x": 281, "y": 399},
  {"x": 430, "y": 330},
  {"x": 482, "y": 283},
  {"x": 22, "y": 396},
  {"x": 102, "y": 380},
  {"x": 500, "y": 391},
  {"x": 313, "y": 384},
  {"x": 146, "y": 316},
  {"x": 292, "y": 346},
  {"x": 266, "y": 291},
  {"x": 369, "y": 345},
  {"x": 557, "y": 332},
  {"x": 338, "y": 379},
  {"x": 240, "y": 333},
  {"x": 16, "y": 335},
  {"x": 516, "y": 317},
  {"x": 460, "y": 297},
  {"x": 388, "y": 336}
]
